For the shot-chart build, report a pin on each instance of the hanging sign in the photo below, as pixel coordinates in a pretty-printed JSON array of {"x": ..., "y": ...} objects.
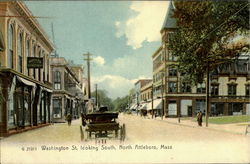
[{"x": 34, "y": 62}]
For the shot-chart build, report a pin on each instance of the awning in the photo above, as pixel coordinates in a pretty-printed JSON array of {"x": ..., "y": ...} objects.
[
  {"x": 133, "y": 106},
  {"x": 47, "y": 90},
  {"x": 26, "y": 82},
  {"x": 149, "y": 106},
  {"x": 143, "y": 106},
  {"x": 2, "y": 47},
  {"x": 157, "y": 104}
]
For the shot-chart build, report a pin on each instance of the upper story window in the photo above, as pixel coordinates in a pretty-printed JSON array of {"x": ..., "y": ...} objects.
[
  {"x": 27, "y": 52},
  {"x": 201, "y": 88},
  {"x": 20, "y": 53},
  {"x": 57, "y": 80},
  {"x": 247, "y": 89},
  {"x": 232, "y": 88},
  {"x": 215, "y": 89},
  {"x": 185, "y": 87},
  {"x": 171, "y": 57},
  {"x": 172, "y": 87},
  {"x": 34, "y": 54},
  {"x": 10, "y": 46},
  {"x": 172, "y": 71}
]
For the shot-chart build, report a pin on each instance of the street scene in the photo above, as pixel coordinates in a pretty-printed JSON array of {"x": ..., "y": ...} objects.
[{"x": 124, "y": 82}]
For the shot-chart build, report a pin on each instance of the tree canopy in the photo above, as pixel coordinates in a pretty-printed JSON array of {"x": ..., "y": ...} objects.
[
  {"x": 208, "y": 32},
  {"x": 103, "y": 99}
]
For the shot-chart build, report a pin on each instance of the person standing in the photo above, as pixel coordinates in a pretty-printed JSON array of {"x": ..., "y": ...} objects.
[
  {"x": 69, "y": 119},
  {"x": 199, "y": 118}
]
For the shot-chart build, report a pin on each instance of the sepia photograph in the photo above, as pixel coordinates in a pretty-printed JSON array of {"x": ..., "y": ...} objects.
[{"x": 124, "y": 81}]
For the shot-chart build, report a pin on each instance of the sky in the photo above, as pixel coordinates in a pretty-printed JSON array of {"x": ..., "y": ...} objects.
[{"x": 121, "y": 36}]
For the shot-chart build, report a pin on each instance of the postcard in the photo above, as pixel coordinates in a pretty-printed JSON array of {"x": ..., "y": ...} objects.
[{"x": 124, "y": 82}]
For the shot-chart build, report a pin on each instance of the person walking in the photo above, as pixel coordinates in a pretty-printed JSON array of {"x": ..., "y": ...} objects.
[
  {"x": 69, "y": 119},
  {"x": 199, "y": 118}
]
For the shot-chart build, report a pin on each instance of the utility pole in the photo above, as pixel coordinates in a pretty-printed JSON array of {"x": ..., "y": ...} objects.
[
  {"x": 207, "y": 94},
  {"x": 96, "y": 95},
  {"x": 88, "y": 65},
  {"x": 152, "y": 98}
]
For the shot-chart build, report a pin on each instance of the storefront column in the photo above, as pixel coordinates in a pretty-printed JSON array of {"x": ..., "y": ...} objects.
[
  {"x": 244, "y": 108},
  {"x": 225, "y": 109},
  {"x": 193, "y": 108}
]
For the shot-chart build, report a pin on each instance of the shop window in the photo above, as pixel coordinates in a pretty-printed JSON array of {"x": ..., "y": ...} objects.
[
  {"x": 172, "y": 87},
  {"x": 201, "y": 88},
  {"x": 172, "y": 71},
  {"x": 200, "y": 106},
  {"x": 10, "y": 46},
  {"x": 57, "y": 107},
  {"x": 232, "y": 89},
  {"x": 20, "y": 53},
  {"x": 57, "y": 80},
  {"x": 185, "y": 87},
  {"x": 215, "y": 89},
  {"x": 248, "y": 90},
  {"x": 235, "y": 108}
]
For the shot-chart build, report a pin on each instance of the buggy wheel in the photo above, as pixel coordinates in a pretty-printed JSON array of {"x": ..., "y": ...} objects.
[
  {"x": 122, "y": 133},
  {"x": 82, "y": 133}
]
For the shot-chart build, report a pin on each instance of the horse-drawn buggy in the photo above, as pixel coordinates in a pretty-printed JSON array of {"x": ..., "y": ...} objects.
[{"x": 102, "y": 124}]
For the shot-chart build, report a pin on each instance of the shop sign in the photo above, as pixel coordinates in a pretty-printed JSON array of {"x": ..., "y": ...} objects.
[{"x": 34, "y": 62}]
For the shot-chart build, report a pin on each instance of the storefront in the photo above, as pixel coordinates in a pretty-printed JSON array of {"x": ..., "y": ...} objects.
[{"x": 25, "y": 103}]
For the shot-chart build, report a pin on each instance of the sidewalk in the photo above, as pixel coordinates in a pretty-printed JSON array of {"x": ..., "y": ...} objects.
[{"x": 237, "y": 128}]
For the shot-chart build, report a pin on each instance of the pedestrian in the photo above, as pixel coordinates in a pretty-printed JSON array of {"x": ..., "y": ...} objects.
[
  {"x": 199, "y": 118},
  {"x": 69, "y": 119}
]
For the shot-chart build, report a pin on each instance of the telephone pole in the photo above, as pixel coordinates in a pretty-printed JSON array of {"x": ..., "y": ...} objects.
[
  {"x": 88, "y": 65},
  {"x": 96, "y": 97}
]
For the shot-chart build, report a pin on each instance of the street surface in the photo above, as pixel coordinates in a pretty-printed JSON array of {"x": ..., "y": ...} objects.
[{"x": 147, "y": 140}]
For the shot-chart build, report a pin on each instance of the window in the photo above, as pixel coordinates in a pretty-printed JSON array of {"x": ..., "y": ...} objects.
[
  {"x": 172, "y": 87},
  {"x": 39, "y": 70},
  {"x": 172, "y": 71},
  {"x": 215, "y": 89},
  {"x": 34, "y": 54},
  {"x": 20, "y": 53},
  {"x": 200, "y": 106},
  {"x": 10, "y": 46},
  {"x": 171, "y": 57},
  {"x": 185, "y": 87},
  {"x": 201, "y": 88},
  {"x": 57, "y": 80},
  {"x": 27, "y": 53},
  {"x": 232, "y": 89},
  {"x": 57, "y": 107},
  {"x": 248, "y": 90}
]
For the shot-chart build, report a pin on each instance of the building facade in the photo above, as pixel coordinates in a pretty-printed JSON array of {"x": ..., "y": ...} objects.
[
  {"x": 68, "y": 89},
  {"x": 229, "y": 89},
  {"x": 25, "y": 82}
]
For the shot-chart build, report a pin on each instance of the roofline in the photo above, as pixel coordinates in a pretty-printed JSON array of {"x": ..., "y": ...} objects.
[
  {"x": 156, "y": 52},
  {"x": 34, "y": 21}
]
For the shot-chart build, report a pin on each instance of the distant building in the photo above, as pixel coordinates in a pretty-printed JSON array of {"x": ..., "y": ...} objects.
[
  {"x": 25, "y": 92},
  {"x": 68, "y": 91},
  {"x": 229, "y": 89}
]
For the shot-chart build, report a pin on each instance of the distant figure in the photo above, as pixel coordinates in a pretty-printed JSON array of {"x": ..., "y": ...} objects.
[
  {"x": 69, "y": 119},
  {"x": 199, "y": 118}
]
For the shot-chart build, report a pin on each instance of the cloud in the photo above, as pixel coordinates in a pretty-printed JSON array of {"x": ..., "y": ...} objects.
[
  {"x": 115, "y": 85},
  {"x": 99, "y": 60},
  {"x": 146, "y": 25}
]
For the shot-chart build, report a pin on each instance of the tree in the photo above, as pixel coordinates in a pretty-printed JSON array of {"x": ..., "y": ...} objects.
[
  {"x": 208, "y": 33},
  {"x": 103, "y": 99},
  {"x": 121, "y": 104}
]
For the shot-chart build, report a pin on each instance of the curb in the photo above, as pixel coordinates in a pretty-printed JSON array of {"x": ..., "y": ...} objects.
[{"x": 207, "y": 128}]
